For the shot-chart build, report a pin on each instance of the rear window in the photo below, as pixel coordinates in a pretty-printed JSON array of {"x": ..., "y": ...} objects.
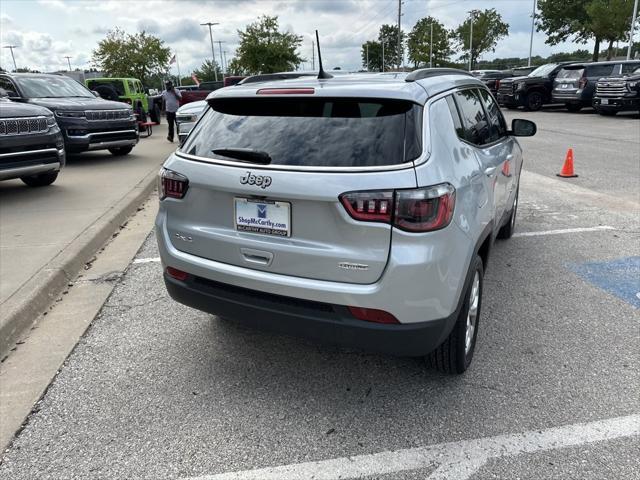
[
  {"x": 570, "y": 73},
  {"x": 116, "y": 85},
  {"x": 317, "y": 132}
]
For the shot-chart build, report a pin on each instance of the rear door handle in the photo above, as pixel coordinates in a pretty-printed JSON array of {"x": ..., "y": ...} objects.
[
  {"x": 489, "y": 171},
  {"x": 257, "y": 257}
]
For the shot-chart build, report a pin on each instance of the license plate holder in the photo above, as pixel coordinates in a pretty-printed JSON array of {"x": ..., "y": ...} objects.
[
  {"x": 266, "y": 217},
  {"x": 605, "y": 101}
]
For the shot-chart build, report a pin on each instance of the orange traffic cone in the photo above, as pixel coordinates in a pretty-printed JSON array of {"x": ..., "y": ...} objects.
[{"x": 567, "y": 168}]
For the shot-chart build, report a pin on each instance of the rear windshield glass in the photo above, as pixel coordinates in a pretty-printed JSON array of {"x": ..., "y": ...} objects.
[
  {"x": 327, "y": 132},
  {"x": 570, "y": 73}
]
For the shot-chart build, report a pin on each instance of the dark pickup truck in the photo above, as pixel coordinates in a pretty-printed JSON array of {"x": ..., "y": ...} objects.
[
  {"x": 200, "y": 92},
  {"x": 532, "y": 91},
  {"x": 31, "y": 145},
  {"x": 618, "y": 94},
  {"x": 86, "y": 122}
]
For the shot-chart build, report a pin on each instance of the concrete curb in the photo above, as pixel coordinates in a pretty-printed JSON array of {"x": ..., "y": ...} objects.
[{"x": 21, "y": 310}]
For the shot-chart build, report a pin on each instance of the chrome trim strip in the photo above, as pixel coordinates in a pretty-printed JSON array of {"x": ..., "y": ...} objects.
[
  {"x": 30, "y": 170},
  {"x": 112, "y": 143},
  {"x": 293, "y": 168},
  {"x": 89, "y": 135},
  {"x": 29, "y": 152}
]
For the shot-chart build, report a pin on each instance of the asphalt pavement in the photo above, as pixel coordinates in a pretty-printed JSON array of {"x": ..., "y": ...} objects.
[{"x": 158, "y": 390}]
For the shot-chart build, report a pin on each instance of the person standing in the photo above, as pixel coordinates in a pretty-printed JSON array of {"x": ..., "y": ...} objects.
[{"x": 171, "y": 102}]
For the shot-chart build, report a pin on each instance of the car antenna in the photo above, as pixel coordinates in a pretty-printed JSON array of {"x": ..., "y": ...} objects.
[{"x": 321, "y": 72}]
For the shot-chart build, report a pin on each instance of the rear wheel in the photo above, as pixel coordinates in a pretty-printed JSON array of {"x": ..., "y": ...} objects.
[
  {"x": 454, "y": 355},
  {"x": 506, "y": 231},
  {"x": 40, "y": 180},
  {"x": 120, "y": 151},
  {"x": 573, "y": 107},
  {"x": 533, "y": 101}
]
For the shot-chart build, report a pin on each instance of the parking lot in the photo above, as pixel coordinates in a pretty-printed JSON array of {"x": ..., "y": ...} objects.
[{"x": 157, "y": 390}]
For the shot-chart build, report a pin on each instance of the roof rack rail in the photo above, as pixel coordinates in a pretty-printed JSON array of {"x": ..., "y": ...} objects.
[{"x": 434, "y": 72}]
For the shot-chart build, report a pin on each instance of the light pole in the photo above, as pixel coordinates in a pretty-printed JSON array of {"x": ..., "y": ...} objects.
[
  {"x": 68, "y": 61},
  {"x": 633, "y": 24},
  {"x": 220, "y": 42},
  {"x": 11, "y": 47},
  {"x": 533, "y": 22},
  {"x": 226, "y": 65},
  {"x": 431, "y": 47},
  {"x": 472, "y": 13},
  {"x": 383, "y": 41},
  {"x": 213, "y": 54}
]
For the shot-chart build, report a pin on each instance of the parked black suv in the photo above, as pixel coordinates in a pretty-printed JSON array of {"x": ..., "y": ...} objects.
[
  {"x": 492, "y": 79},
  {"x": 532, "y": 91},
  {"x": 31, "y": 145},
  {"x": 87, "y": 122},
  {"x": 575, "y": 84},
  {"x": 618, "y": 94}
]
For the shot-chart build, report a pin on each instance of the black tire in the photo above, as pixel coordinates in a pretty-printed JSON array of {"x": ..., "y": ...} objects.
[
  {"x": 533, "y": 101},
  {"x": 608, "y": 113},
  {"x": 121, "y": 151},
  {"x": 573, "y": 107},
  {"x": 506, "y": 231},
  {"x": 453, "y": 355},
  {"x": 40, "y": 180}
]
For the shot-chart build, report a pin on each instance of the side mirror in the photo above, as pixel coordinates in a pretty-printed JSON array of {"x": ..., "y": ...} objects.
[
  {"x": 95, "y": 94},
  {"x": 522, "y": 128}
]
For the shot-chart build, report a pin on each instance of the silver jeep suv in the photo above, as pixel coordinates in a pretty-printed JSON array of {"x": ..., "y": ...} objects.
[{"x": 358, "y": 210}]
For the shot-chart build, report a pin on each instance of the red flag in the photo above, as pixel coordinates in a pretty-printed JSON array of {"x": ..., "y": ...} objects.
[
  {"x": 195, "y": 79},
  {"x": 173, "y": 60}
]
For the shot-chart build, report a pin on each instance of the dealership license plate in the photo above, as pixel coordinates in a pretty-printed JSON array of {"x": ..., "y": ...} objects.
[
  {"x": 605, "y": 101},
  {"x": 262, "y": 216},
  {"x": 565, "y": 85}
]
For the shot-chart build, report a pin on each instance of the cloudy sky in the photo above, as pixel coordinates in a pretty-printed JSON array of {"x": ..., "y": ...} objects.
[{"x": 47, "y": 30}]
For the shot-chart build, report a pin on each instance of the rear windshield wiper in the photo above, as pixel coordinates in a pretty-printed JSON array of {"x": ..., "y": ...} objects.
[{"x": 244, "y": 154}]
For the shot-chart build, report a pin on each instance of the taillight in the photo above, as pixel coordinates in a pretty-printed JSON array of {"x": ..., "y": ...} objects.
[
  {"x": 582, "y": 82},
  {"x": 369, "y": 206},
  {"x": 171, "y": 184},
  {"x": 424, "y": 209},
  {"x": 412, "y": 210},
  {"x": 497, "y": 84},
  {"x": 372, "y": 315}
]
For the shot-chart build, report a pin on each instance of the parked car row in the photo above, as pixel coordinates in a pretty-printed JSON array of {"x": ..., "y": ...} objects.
[
  {"x": 609, "y": 87},
  {"x": 45, "y": 116}
]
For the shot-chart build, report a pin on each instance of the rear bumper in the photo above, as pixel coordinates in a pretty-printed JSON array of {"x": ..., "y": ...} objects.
[
  {"x": 317, "y": 321},
  {"x": 618, "y": 104},
  {"x": 572, "y": 98}
]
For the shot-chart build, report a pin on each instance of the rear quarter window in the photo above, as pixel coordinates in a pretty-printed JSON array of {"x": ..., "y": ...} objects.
[
  {"x": 310, "y": 132},
  {"x": 597, "y": 71}
]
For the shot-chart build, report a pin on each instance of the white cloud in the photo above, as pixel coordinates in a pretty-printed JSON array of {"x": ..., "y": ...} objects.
[{"x": 47, "y": 30}]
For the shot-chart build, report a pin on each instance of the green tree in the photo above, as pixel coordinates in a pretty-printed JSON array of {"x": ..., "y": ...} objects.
[
  {"x": 419, "y": 39},
  {"x": 584, "y": 20},
  {"x": 140, "y": 55},
  {"x": 488, "y": 29},
  {"x": 374, "y": 56},
  {"x": 207, "y": 71},
  {"x": 264, "y": 49},
  {"x": 389, "y": 34}
]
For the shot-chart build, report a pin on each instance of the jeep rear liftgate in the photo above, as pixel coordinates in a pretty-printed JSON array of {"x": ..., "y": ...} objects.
[{"x": 247, "y": 203}]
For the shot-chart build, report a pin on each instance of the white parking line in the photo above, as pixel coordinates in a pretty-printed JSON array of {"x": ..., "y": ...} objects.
[
  {"x": 455, "y": 460},
  {"x": 563, "y": 230},
  {"x": 147, "y": 260}
]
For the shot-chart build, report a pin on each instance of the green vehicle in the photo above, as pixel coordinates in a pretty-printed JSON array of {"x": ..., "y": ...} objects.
[{"x": 128, "y": 90}]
